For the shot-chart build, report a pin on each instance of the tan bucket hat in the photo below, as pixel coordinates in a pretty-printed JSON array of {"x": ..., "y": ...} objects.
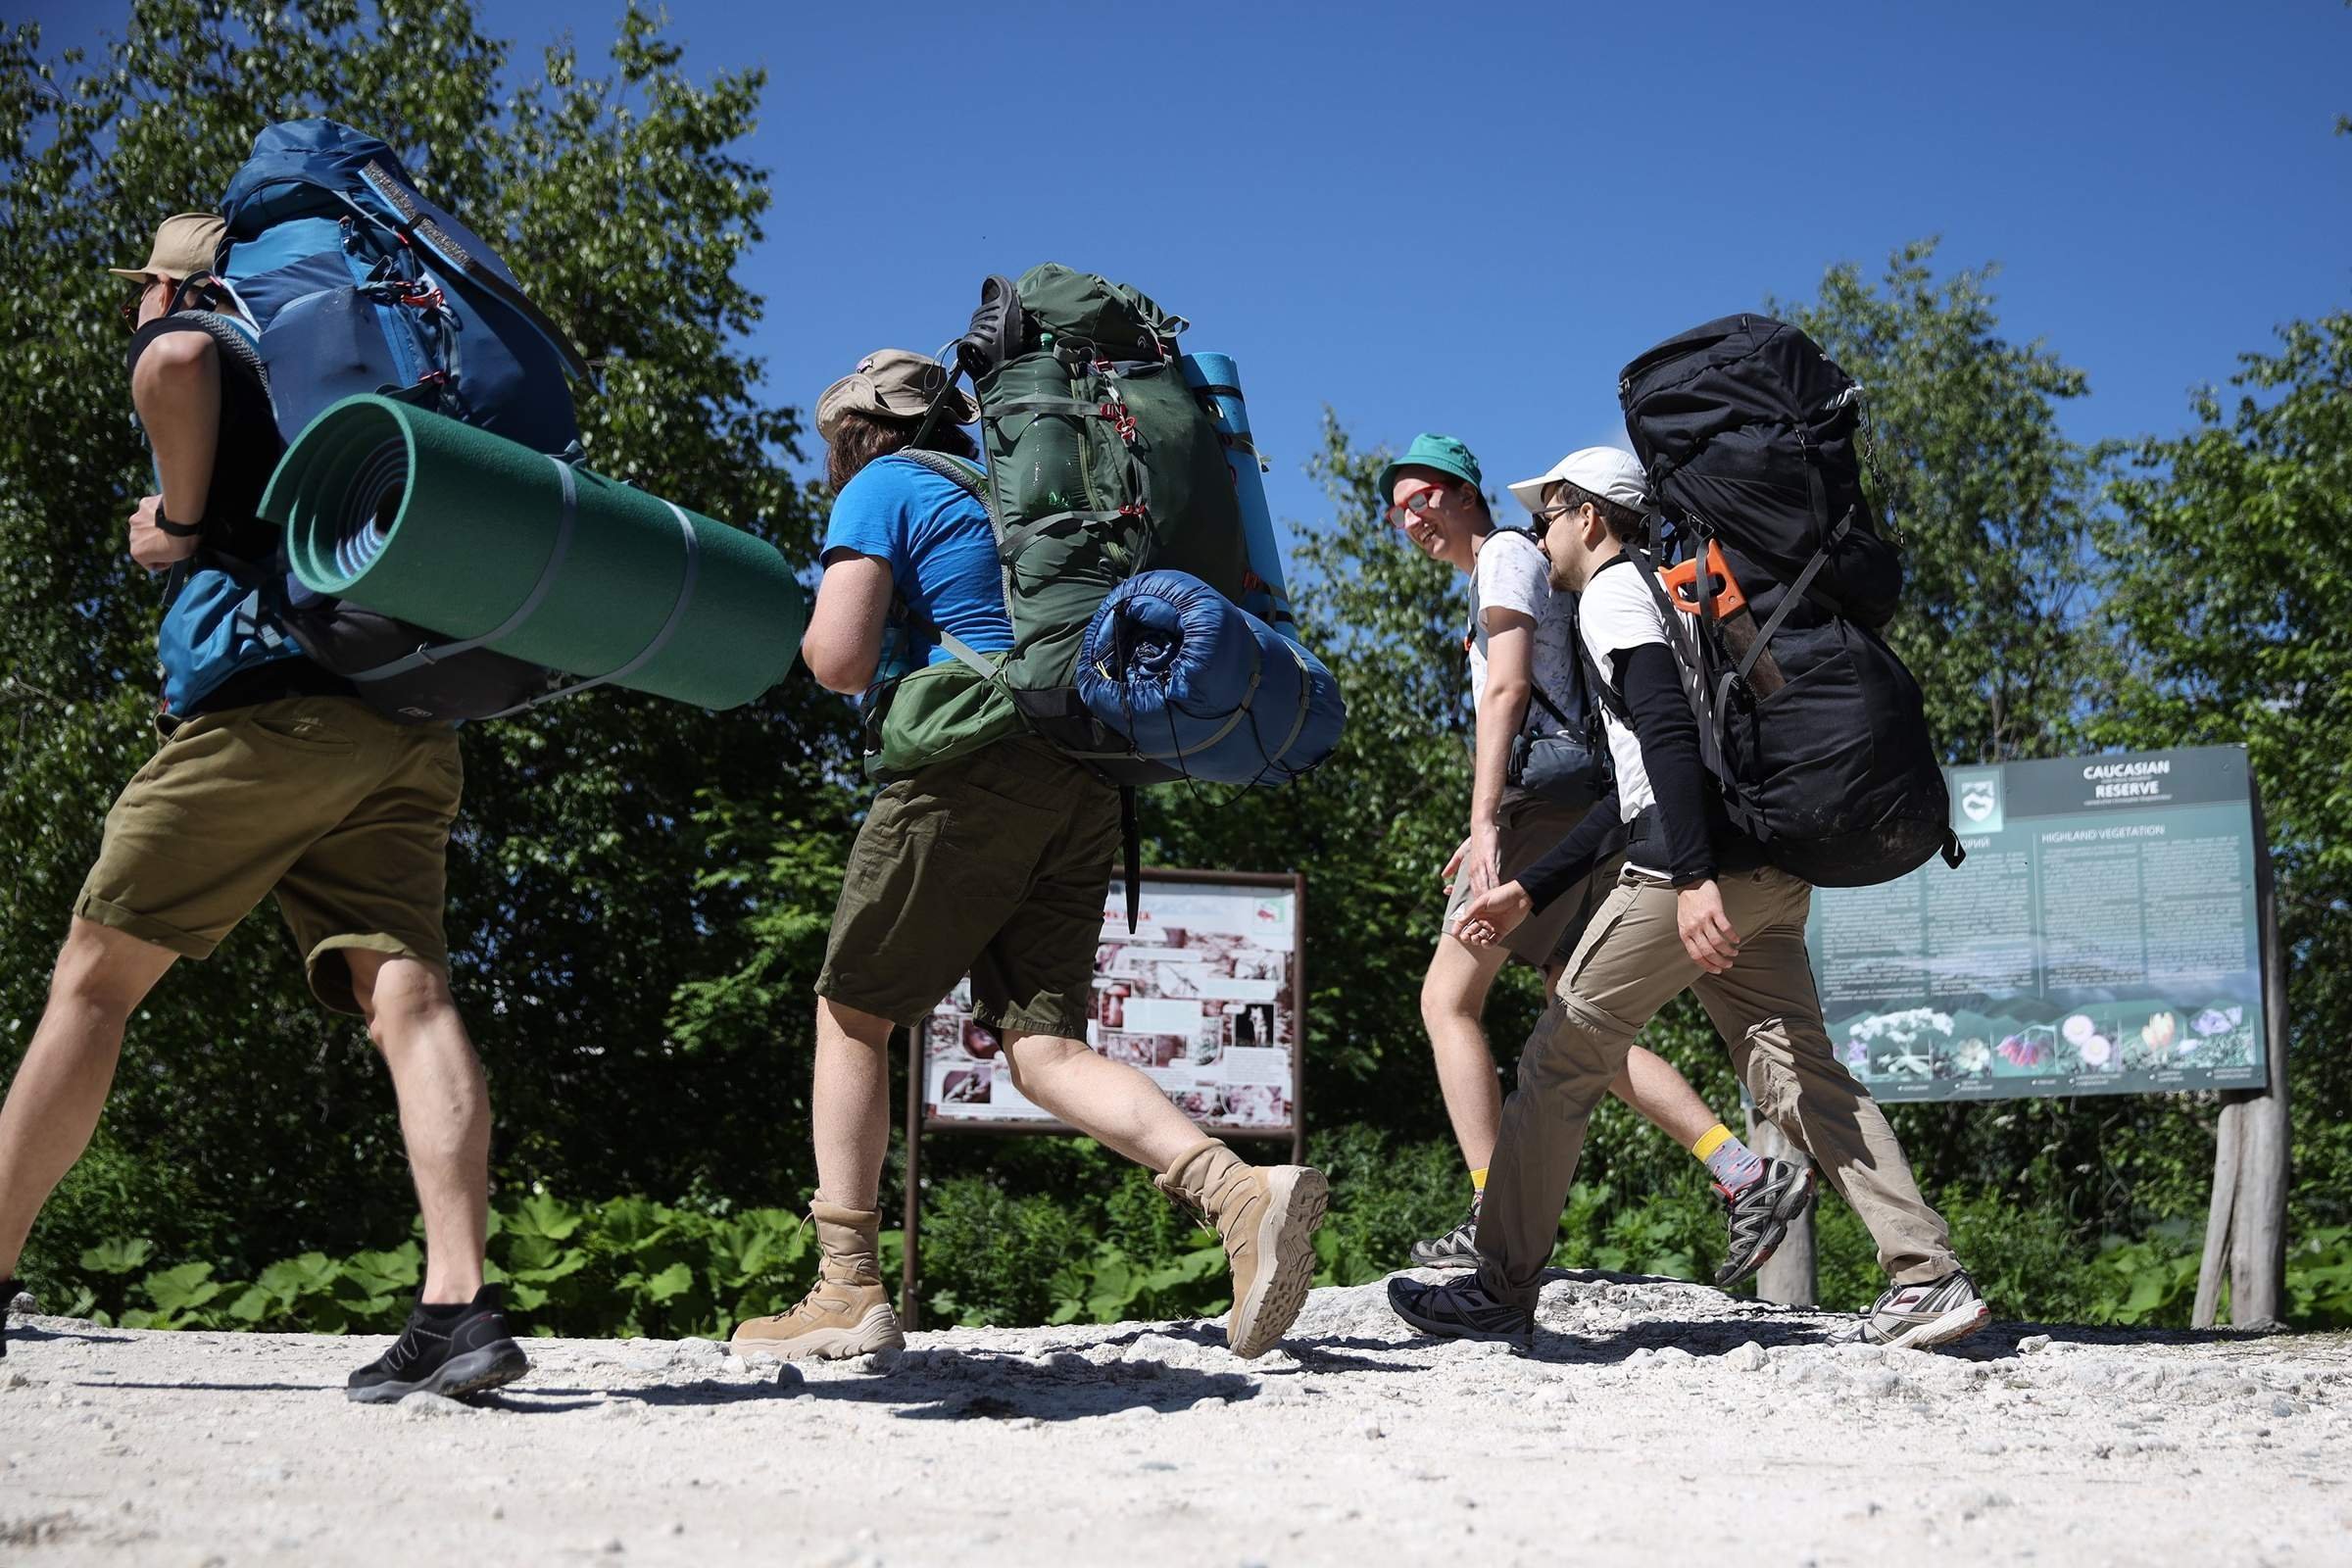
[
  {"x": 184, "y": 245},
  {"x": 894, "y": 384}
]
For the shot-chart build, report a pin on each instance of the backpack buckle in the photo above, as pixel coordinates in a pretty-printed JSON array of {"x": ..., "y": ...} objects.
[{"x": 1122, "y": 421}]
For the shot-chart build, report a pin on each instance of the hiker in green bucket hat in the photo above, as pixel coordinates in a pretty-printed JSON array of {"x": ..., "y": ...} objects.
[{"x": 1525, "y": 680}]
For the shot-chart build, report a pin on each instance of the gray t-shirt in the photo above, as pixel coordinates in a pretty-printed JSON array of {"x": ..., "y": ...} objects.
[{"x": 1512, "y": 572}]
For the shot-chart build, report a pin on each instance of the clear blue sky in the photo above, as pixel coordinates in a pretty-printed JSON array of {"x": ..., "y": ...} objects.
[{"x": 1467, "y": 217}]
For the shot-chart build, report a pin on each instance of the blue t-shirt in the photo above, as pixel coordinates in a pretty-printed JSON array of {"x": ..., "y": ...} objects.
[{"x": 935, "y": 537}]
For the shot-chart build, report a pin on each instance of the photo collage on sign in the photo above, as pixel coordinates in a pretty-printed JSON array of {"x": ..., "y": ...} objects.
[{"x": 1200, "y": 997}]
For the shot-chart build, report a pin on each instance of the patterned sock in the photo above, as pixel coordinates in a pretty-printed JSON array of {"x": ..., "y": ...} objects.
[
  {"x": 1478, "y": 1181},
  {"x": 1731, "y": 1163}
]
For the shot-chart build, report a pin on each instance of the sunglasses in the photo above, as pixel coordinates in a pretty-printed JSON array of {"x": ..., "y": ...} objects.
[
  {"x": 1417, "y": 504},
  {"x": 1547, "y": 516},
  {"x": 131, "y": 306}
]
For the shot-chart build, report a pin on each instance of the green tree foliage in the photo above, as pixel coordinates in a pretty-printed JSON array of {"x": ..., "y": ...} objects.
[
  {"x": 2225, "y": 588},
  {"x": 1993, "y": 505},
  {"x": 640, "y": 892},
  {"x": 612, "y": 893}
]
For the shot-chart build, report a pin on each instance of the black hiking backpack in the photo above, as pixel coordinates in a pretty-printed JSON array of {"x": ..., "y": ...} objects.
[{"x": 1817, "y": 734}]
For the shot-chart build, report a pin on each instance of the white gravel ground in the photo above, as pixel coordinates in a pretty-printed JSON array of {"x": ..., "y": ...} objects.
[{"x": 1657, "y": 1422}]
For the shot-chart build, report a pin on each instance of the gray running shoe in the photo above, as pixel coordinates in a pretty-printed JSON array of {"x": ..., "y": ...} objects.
[
  {"x": 1920, "y": 1317},
  {"x": 1461, "y": 1310},
  {"x": 1760, "y": 1218},
  {"x": 1456, "y": 1249},
  {"x": 9, "y": 1290}
]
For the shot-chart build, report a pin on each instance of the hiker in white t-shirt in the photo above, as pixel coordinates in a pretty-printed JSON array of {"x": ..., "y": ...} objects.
[
  {"x": 1524, "y": 674},
  {"x": 1698, "y": 907}
]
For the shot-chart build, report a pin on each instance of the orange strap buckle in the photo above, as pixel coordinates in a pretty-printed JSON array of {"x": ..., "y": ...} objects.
[{"x": 1681, "y": 583}]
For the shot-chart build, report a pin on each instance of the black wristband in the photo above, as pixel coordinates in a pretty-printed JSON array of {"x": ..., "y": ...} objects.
[{"x": 178, "y": 530}]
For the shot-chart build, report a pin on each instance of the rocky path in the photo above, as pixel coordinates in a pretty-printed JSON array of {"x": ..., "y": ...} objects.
[{"x": 1657, "y": 1422}]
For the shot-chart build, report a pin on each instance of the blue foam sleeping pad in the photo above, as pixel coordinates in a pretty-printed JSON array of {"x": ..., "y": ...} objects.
[
  {"x": 1194, "y": 680},
  {"x": 1219, "y": 384}
]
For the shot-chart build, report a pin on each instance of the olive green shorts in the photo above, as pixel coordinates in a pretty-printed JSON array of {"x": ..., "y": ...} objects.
[
  {"x": 993, "y": 864},
  {"x": 342, "y": 813}
]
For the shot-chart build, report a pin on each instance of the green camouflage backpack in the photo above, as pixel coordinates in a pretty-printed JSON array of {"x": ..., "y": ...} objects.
[{"x": 1101, "y": 464}]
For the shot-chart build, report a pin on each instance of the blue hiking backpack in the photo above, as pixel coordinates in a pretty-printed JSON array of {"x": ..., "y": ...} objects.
[{"x": 341, "y": 278}]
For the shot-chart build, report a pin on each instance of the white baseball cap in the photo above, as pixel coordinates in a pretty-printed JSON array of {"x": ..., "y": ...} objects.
[{"x": 1605, "y": 471}]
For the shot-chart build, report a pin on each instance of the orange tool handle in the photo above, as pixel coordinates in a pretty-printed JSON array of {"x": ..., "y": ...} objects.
[{"x": 1681, "y": 583}]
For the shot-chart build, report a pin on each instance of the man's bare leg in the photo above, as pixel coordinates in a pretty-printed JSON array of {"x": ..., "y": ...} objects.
[
  {"x": 444, "y": 1111},
  {"x": 1454, "y": 1001},
  {"x": 848, "y": 1104},
  {"x": 60, "y": 1089},
  {"x": 1109, "y": 1101}
]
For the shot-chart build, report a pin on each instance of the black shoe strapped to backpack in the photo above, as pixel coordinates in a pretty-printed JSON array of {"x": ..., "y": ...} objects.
[{"x": 451, "y": 1351}]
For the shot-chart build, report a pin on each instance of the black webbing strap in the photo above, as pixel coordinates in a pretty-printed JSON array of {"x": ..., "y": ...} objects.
[
  {"x": 434, "y": 652},
  {"x": 1131, "y": 840},
  {"x": 1796, "y": 591},
  {"x": 1714, "y": 717}
]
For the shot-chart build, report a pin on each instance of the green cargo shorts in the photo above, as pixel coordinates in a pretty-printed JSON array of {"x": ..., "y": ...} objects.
[
  {"x": 995, "y": 864},
  {"x": 341, "y": 812}
]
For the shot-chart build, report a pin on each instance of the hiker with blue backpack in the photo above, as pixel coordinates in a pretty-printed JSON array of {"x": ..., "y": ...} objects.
[
  {"x": 952, "y": 604},
  {"x": 273, "y": 778},
  {"x": 1764, "y": 740},
  {"x": 1537, "y": 771},
  {"x": 308, "y": 742}
]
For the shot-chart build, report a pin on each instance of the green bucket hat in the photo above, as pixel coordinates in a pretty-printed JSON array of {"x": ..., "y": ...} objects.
[{"x": 1432, "y": 451}]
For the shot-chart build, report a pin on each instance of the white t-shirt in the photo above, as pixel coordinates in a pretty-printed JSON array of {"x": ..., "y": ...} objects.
[
  {"x": 1512, "y": 572},
  {"x": 1619, "y": 613}
]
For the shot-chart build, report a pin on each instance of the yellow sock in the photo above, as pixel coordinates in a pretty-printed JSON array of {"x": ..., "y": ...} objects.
[
  {"x": 1711, "y": 1139},
  {"x": 1477, "y": 1180}
]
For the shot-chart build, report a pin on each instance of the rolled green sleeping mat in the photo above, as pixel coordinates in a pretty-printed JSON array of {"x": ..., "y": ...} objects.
[{"x": 472, "y": 536}]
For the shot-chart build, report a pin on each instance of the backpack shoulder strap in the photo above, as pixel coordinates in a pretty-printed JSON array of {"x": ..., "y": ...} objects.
[
  {"x": 970, "y": 476},
  {"x": 1477, "y": 628},
  {"x": 956, "y": 470}
]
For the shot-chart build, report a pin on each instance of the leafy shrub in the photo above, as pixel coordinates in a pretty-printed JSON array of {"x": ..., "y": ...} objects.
[{"x": 1101, "y": 1244}]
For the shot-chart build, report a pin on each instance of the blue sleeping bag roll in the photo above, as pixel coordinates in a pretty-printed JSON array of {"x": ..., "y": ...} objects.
[{"x": 1195, "y": 681}]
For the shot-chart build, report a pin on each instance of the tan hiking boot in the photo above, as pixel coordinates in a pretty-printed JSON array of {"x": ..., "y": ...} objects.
[
  {"x": 1266, "y": 1217},
  {"x": 847, "y": 1312}
]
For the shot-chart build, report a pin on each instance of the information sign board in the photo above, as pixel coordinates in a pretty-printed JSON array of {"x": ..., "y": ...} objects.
[
  {"x": 1203, "y": 997},
  {"x": 2103, "y": 937}
]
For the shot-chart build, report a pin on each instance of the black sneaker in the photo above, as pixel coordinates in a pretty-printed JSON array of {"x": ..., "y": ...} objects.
[
  {"x": 1461, "y": 1310},
  {"x": 1759, "y": 1215},
  {"x": 1456, "y": 1249},
  {"x": 8, "y": 1301},
  {"x": 452, "y": 1352}
]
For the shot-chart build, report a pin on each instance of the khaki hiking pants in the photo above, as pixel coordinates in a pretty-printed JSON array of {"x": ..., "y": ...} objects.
[{"x": 1630, "y": 963}]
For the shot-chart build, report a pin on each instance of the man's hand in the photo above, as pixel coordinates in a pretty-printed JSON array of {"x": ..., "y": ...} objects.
[
  {"x": 1706, "y": 932},
  {"x": 1481, "y": 858},
  {"x": 150, "y": 546},
  {"x": 1495, "y": 914}
]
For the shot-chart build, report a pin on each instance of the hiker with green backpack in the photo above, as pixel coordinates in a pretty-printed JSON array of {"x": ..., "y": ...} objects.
[
  {"x": 953, "y": 602},
  {"x": 1536, "y": 773}
]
